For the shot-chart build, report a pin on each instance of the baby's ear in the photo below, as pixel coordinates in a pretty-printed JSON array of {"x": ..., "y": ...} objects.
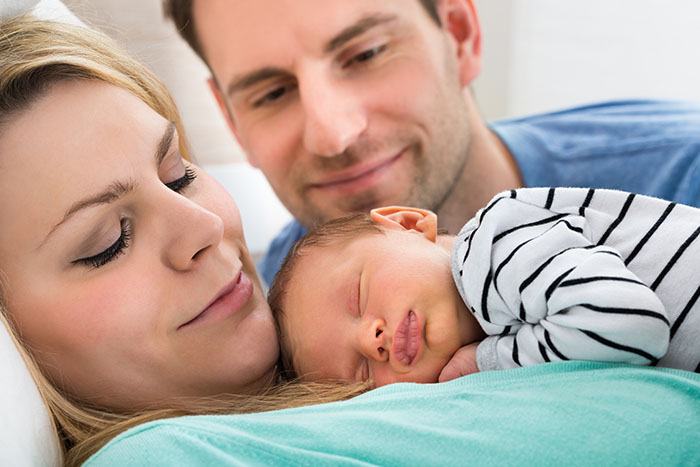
[{"x": 403, "y": 218}]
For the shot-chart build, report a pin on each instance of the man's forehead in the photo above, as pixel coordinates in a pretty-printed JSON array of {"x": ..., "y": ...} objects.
[{"x": 239, "y": 36}]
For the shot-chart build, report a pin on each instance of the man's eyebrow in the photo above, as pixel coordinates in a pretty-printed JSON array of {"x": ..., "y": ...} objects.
[
  {"x": 359, "y": 27},
  {"x": 117, "y": 189},
  {"x": 240, "y": 83}
]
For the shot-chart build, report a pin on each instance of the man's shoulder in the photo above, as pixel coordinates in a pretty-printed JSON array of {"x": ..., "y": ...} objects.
[
  {"x": 278, "y": 249},
  {"x": 623, "y": 112},
  {"x": 607, "y": 126},
  {"x": 644, "y": 146}
]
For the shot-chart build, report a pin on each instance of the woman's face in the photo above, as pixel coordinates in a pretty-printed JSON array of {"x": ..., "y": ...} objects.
[{"x": 112, "y": 254}]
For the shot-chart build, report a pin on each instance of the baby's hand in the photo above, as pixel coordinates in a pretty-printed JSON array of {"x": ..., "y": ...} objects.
[{"x": 463, "y": 362}]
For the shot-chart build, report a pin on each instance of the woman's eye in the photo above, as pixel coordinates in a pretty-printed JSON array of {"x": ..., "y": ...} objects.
[
  {"x": 111, "y": 253},
  {"x": 366, "y": 55},
  {"x": 183, "y": 182}
]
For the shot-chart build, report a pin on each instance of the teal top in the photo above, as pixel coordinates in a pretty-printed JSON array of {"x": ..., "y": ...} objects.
[{"x": 567, "y": 413}]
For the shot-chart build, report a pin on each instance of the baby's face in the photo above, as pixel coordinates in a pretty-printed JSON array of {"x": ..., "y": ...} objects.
[{"x": 381, "y": 307}]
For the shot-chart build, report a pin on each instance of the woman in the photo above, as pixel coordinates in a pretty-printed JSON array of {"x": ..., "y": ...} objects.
[{"x": 124, "y": 267}]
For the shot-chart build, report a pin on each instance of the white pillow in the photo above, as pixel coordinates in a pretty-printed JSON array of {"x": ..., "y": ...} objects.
[
  {"x": 27, "y": 436},
  {"x": 44, "y": 9}
]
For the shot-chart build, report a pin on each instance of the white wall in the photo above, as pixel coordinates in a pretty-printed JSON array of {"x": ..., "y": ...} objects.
[
  {"x": 556, "y": 53},
  {"x": 140, "y": 26}
]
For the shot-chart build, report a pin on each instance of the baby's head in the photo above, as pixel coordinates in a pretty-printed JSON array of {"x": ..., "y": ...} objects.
[{"x": 371, "y": 297}]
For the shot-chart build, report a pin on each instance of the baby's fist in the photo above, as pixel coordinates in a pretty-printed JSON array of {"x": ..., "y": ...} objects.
[{"x": 462, "y": 363}]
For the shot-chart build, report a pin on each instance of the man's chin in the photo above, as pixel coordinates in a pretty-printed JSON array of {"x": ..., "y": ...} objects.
[{"x": 322, "y": 207}]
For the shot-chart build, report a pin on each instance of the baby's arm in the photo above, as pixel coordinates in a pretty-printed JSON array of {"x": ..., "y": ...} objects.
[
  {"x": 544, "y": 291},
  {"x": 462, "y": 363}
]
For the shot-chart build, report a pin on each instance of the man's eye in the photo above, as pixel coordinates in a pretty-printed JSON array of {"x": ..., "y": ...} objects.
[
  {"x": 366, "y": 55},
  {"x": 183, "y": 182},
  {"x": 272, "y": 96},
  {"x": 111, "y": 253}
]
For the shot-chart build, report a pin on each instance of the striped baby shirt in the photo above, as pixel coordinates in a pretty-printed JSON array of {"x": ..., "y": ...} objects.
[{"x": 581, "y": 274}]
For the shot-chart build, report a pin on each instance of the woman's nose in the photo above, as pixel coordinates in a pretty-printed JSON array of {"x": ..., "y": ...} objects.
[
  {"x": 334, "y": 117},
  {"x": 373, "y": 341},
  {"x": 191, "y": 232}
]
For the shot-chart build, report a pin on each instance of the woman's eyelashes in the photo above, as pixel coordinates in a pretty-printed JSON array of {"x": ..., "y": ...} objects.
[
  {"x": 111, "y": 253},
  {"x": 183, "y": 182},
  {"x": 122, "y": 243}
]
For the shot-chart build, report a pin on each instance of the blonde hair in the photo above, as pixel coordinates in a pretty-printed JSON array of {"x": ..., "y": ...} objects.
[{"x": 34, "y": 55}]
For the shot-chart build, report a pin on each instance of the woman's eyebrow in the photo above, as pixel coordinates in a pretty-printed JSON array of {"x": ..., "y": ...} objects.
[
  {"x": 164, "y": 144},
  {"x": 117, "y": 189}
]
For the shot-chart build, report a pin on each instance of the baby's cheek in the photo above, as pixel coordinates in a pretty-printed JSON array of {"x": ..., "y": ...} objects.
[{"x": 432, "y": 368}]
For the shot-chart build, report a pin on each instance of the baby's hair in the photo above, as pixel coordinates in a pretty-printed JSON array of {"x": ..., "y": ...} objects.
[{"x": 335, "y": 232}]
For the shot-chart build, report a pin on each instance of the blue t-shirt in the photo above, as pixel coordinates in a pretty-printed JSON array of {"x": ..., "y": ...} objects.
[
  {"x": 641, "y": 146},
  {"x": 567, "y": 413}
]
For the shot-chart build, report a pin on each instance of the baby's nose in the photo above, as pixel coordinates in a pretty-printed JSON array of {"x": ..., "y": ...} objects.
[{"x": 374, "y": 341}]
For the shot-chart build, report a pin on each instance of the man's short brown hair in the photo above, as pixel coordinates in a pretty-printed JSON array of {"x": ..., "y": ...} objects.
[{"x": 180, "y": 11}]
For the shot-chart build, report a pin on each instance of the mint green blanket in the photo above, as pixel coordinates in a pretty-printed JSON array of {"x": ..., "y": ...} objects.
[{"x": 574, "y": 413}]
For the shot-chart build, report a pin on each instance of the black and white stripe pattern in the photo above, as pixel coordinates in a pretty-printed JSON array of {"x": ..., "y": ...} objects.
[{"x": 582, "y": 274}]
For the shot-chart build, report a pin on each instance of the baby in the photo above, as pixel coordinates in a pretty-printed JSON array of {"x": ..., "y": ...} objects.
[{"x": 538, "y": 275}]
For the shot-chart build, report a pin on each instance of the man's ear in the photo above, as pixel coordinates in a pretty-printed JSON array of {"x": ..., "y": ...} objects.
[
  {"x": 403, "y": 218},
  {"x": 460, "y": 19}
]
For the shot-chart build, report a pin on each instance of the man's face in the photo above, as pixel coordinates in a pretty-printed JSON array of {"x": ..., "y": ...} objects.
[{"x": 344, "y": 105}]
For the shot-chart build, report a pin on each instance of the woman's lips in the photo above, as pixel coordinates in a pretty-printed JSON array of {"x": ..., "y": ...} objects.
[
  {"x": 407, "y": 339},
  {"x": 231, "y": 299}
]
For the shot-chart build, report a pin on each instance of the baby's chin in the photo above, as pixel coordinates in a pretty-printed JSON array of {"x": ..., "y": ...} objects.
[{"x": 428, "y": 371}]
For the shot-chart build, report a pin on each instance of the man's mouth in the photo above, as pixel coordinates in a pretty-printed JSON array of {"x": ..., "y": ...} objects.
[
  {"x": 359, "y": 177},
  {"x": 407, "y": 339}
]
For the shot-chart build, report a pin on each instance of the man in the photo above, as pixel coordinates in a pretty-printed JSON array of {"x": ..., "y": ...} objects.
[{"x": 347, "y": 105}]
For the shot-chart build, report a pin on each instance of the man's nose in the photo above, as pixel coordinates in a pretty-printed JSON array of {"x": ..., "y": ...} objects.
[
  {"x": 373, "y": 341},
  {"x": 334, "y": 117}
]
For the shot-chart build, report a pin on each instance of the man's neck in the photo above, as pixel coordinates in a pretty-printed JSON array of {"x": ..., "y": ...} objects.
[{"x": 490, "y": 169}]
